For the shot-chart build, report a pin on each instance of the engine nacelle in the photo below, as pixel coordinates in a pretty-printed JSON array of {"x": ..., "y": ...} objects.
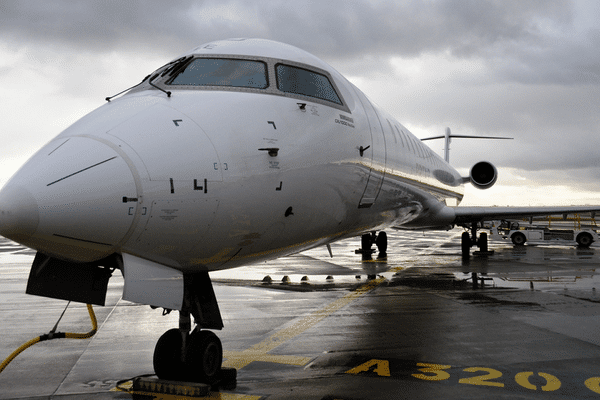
[{"x": 483, "y": 175}]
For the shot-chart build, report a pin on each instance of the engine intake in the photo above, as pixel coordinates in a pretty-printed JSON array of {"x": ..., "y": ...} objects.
[{"x": 483, "y": 175}]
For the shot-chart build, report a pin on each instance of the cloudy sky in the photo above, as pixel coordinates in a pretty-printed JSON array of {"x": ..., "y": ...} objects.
[{"x": 527, "y": 69}]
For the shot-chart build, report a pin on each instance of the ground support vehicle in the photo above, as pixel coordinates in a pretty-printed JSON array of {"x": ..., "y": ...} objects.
[{"x": 583, "y": 231}]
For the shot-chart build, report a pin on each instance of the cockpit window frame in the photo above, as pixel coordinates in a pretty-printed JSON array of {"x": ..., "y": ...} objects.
[
  {"x": 342, "y": 107},
  {"x": 163, "y": 76},
  {"x": 174, "y": 75},
  {"x": 335, "y": 92}
]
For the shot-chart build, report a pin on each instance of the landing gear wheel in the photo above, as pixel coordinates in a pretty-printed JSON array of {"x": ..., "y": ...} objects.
[
  {"x": 518, "y": 239},
  {"x": 465, "y": 244},
  {"x": 483, "y": 242},
  {"x": 167, "y": 356},
  {"x": 584, "y": 239},
  {"x": 366, "y": 241},
  {"x": 381, "y": 242},
  {"x": 204, "y": 357}
]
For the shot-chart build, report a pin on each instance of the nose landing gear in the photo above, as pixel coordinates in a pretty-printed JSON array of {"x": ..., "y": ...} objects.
[
  {"x": 189, "y": 357},
  {"x": 196, "y": 356},
  {"x": 204, "y": 355}
]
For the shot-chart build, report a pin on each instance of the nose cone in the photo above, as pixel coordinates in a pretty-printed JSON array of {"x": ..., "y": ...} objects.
[
  {"x": 19, "y": 216},
  {"x": 67, "y": 201}
]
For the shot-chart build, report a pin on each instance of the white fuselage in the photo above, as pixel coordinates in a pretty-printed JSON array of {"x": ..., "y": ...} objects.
[{"x": 214, "y": 178}]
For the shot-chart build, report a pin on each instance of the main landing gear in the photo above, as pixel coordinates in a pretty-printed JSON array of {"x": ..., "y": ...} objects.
[
  {"x": 183, "y": 354},
  {"x": 366, "y": 251},
  {"x": 368, "y": 239},
  {"x": 470, "y": 239}
]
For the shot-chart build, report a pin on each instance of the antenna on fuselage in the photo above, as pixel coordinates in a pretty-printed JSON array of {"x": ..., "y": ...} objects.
[{"x": 448, "y": 138}]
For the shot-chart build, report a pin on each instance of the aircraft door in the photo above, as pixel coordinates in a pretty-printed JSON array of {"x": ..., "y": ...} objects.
[{"x": 376, "y": 153}]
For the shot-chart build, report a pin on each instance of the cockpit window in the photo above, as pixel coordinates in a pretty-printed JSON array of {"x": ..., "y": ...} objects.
[
  {"x": 304, "y": 82},
  {"x": 223, "y": 72}
]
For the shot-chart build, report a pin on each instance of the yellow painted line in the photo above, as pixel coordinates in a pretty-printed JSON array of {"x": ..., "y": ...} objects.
[
  {"x": 259, "y": 351},
  {"x": 238, "y": 359},
  {"x": 231, "y": 396}
]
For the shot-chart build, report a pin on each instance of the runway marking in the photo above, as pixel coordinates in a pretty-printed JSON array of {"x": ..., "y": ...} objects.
[
  {"x": 231, "y": 396},
  {"x": 436, "y": 369},
  {"x": 478, "y": 376},
  {"x": 593, "y": 384},
  {"x": 259, "y": 352},
  {"x": 382, "y": 367}
]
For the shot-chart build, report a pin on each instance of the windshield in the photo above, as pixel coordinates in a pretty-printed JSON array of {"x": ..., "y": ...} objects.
[
  {"x": 308, "y": 83},
  {"x": 223, "y": 72}
]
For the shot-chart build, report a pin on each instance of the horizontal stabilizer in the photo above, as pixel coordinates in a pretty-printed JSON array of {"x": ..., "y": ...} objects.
[{"x": 448, "y": 138}]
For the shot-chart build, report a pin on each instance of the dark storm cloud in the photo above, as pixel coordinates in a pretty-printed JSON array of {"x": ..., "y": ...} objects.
[
  {"x": 100, "y": 26},
  {"x": 527, "y": 69},
  {"x": 569, "y": 60},
  {"x": 513, "y": 37},
  {"x": 342, "y": 29}
]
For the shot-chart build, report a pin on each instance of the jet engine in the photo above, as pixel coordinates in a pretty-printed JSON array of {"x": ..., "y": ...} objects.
[{"x": 483, "y": 175}]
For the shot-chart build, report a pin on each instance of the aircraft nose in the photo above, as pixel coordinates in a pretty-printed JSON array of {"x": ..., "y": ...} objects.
[
  {"x": 75, "y": 199},
  {"x": 19, "y": 216}
]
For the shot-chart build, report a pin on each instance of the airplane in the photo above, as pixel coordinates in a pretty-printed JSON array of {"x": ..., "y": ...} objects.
[{"x": 236, "y": 152}]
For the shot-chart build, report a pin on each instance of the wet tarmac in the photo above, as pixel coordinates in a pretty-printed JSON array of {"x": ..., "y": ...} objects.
[{"x": 421, "y": 329}]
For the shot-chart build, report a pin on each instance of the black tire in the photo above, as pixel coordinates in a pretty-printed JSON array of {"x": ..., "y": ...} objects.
[
  {"x": 518, "y": 239},
  {"x": 483, "y": 242},
  {"x": 204, "y": 357},
  {"x": 584, "y": 239},
  {"x": 365, "y": 243},
  {"x": 465, "y": 244},
  {"x": 382, "y": 242},
  {"x": 167, "y": 356}
]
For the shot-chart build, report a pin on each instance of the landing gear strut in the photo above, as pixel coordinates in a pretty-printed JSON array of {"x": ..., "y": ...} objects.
[
  {"x": 368, "y": 239},
  {"x": 196, "y": 356},
  {"x": 366, "y": 252},
  {"x": 469, "y": 240}
]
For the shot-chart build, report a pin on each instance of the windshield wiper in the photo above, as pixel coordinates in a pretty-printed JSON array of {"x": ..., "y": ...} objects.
[
  {"x": 149, "y": 81},
  {"x": 154, "y": 86},
  {"x": 136, "y": 85},
  {"x": 177, "y": 64},
  {"x": 167, "y": 69}
]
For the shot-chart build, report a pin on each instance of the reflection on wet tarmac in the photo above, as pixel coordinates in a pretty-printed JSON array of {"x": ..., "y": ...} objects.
[{"x": 421, "y": 328}]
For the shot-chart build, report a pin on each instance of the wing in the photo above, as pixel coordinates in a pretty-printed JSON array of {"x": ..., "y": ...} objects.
[{"x": 466, "y": 215}]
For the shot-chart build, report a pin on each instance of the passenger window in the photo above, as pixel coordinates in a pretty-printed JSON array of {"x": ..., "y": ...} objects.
[
  {"x": 223, "y": 72},
  {"x": 304, "y": 82}
]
